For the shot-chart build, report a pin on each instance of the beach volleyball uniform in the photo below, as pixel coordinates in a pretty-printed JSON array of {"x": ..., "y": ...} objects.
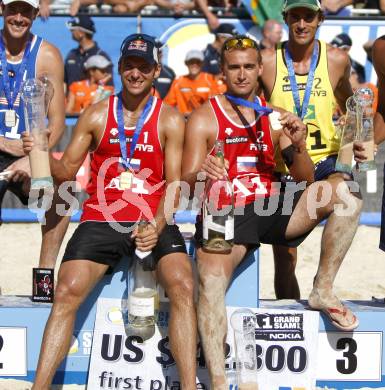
[
  {"x": 102, "y": 235},
  {"x": 262, "y": 211},
  {"x": 14, "y": 132},
  {"x": 186, "y": 94},
  {"x": 322, "y": 141}
]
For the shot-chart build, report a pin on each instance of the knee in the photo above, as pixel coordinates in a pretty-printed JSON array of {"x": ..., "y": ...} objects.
[
  {"x": 347, "y": 200},
  {"x": 181, "y": 291},
  {"x": 68, "y": 294},
  {"x": 212, "y": 286}
]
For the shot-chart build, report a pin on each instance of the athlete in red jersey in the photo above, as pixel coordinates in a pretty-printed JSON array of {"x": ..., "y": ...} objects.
[
  {"x": 247, "y": 136},
  {"x": 127, "y": 184}
]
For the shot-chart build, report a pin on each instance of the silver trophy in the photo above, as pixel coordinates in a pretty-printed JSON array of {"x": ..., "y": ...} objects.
[
  {"x": 49, "y": 90},
  {"x": 365, "y": 130},
  {"x": 243, "y": 323},
  {"x": 349, "y": 130},
  {"x": 33, "y": 95}
]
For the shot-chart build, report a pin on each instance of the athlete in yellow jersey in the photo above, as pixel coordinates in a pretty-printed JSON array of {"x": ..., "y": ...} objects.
[
  {"x": 320, "y": 72},
  {"x": 322, "y": 140}
]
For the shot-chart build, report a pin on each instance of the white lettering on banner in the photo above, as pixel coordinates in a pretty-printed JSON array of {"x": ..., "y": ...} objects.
[
  {"x": 121, "y": 360},
  {"x": 13, "y": 351},
  {"x": 346, "y": 356}
]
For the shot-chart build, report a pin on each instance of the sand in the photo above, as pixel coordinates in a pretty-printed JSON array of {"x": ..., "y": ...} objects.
[{"x": 362, "y": 274}]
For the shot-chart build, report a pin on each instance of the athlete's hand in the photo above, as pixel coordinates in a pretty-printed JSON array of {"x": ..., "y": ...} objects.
[
  {"x": 147, "y": 239},
  {"x": 293, "y": 128},
  {"x": 28, "y": 140},
  {"x": 213, "y": 168},
  {"x": 359, "y": 152}
]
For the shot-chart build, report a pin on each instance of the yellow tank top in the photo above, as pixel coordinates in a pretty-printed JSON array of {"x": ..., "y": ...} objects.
[{"x": 321, "y": 140}]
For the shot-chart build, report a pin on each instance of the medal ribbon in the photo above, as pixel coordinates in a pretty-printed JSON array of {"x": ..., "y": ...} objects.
[
  {"x": 256, "y": 106},
  {"x": 11, "y": 94},
  {"x": 301, "y": 110},
  {"x": 139, "y": 125}
]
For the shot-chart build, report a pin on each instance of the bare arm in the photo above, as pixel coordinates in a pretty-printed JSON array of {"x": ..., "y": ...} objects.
[
  {"x": 339, "y": 74},
  {"x": 70, "y": 103},
  {"x": 199, "y": 140},
  {"x": 212, "y": 20},
  {"x": 292, "y": 142},
  {"x": 379, "y": 66},
  {"x": 172, "y": 132},
  {"x": 269, "y": 72},
  {"x": 382, "y": 5},
  {"x": 84, "y": 136},
  {"x": 133, "y": 6},
  {"x": 50, "y": 63},
  {"x": 44, "y": 10}
]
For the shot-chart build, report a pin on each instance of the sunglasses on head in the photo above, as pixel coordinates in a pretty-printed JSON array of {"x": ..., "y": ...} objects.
[{"x": 240, "y": 43}]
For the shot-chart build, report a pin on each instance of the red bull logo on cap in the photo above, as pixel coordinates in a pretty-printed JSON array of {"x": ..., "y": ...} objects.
[{"x": 137, "y": 45}]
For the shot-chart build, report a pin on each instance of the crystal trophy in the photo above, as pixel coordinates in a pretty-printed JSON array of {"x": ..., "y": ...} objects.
[
  {"x": 243, "y": 323},
  {"x": 33, "y": 95},
  {"x": 365, "y": 130},
  {"x": 348, "y": 134}
]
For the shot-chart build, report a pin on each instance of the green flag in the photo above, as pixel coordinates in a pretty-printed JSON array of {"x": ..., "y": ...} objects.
[{"x": 261, "y": 10}]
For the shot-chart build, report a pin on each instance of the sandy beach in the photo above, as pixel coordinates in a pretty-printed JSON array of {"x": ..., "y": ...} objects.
[{"x": 361, "y": 276}]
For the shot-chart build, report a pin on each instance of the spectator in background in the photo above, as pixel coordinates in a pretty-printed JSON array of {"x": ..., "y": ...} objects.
[
  {"x": 212, "y": 57},
  {"x": 336, "y": 7},
  {"x": 204, "y": 7},
  {"x": 355, "y": 83},
  {"x": 93, "y": 89},
  {"x": 118, "y": 6},
  {"x": 163, "y": 83},
  {"x": 82, "y": 28},
  {"x": 344, "y": 42},
  {"x": 272, "y": 34},
  {"x": 190, "y": 91},
  {"x": 176, "y": 6}
]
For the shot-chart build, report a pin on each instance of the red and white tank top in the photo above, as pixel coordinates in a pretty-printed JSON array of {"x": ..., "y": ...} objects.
[
  {"x": 107, "y": 201},
  {"x": 250, "y": 152}
]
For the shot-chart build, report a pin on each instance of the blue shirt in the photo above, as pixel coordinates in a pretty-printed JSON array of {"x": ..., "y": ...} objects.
[{"x": 30, "y": 72}]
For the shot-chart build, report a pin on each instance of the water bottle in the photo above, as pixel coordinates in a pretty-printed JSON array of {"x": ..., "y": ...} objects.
[
  {"x": 33, "y": 95},
  {"x": 218, "y": 211},
  {"x": 144, "y": 298},
  {"x": 365, "y": 129},
  {"x": 349, "y": 129}
]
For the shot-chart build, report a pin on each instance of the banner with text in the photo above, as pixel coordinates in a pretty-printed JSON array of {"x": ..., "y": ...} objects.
[{"x": 284, "y": 353}]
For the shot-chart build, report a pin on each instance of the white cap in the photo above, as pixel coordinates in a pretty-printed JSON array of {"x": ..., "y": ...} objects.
[
  {"x": 33, "y": 3},
  {"x": 97, "y": 61},
  {"x": 194, "y": 55}
]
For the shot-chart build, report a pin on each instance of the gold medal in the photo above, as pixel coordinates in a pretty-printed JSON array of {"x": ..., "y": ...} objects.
[
  {"x": 125, "y": 180},
  {"x": 10, "y": 118}
]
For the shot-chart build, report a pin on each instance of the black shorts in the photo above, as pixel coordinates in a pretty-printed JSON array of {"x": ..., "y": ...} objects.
[
  {"x": 101, "y": 243},
  {"x": 255, "y": 227},
  {"x": 322, "y": 170}
]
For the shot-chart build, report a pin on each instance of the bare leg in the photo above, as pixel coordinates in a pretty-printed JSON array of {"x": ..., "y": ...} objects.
[
  {"x": 53, "y": 232},
  {"x": 56, "y": 226},
  {"x": 174, "y": 273},
  {"x": 337, "y": 237},
  {"x": 76, "y": 280},
  {"x": 215, "y": 272},
  {"x": 285, "y": 282}
]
